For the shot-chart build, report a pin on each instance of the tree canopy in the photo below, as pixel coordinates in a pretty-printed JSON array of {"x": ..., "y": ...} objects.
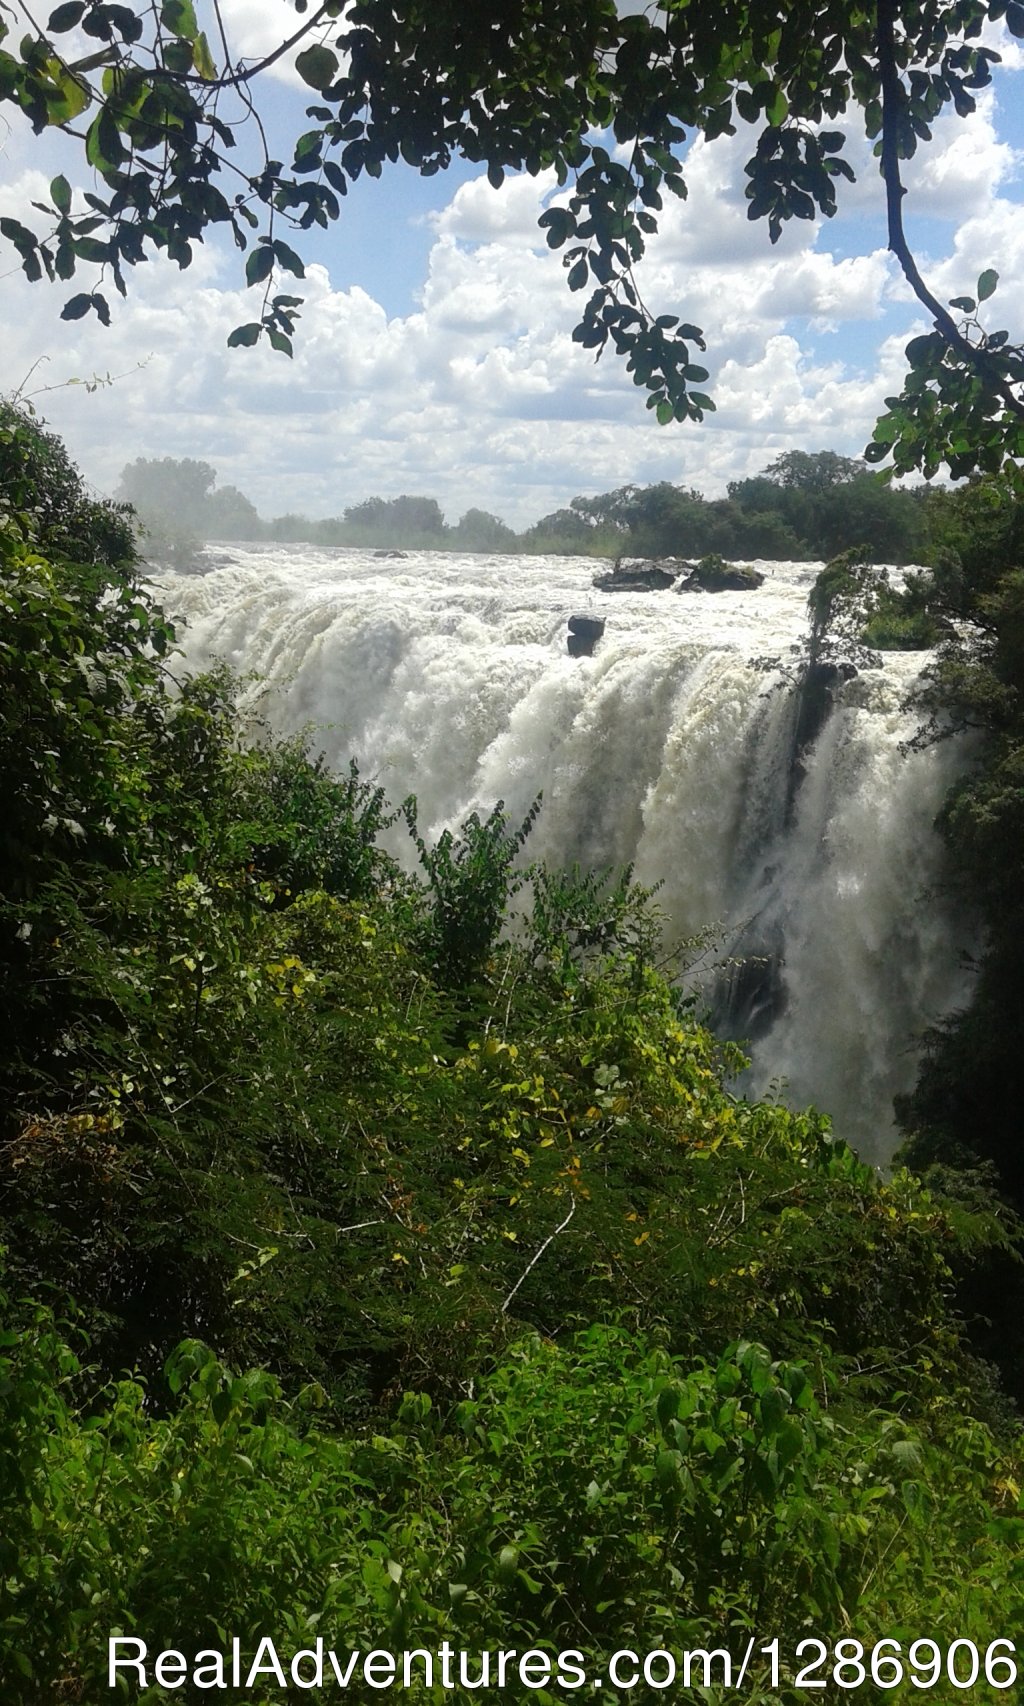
[{"x": 164, "y": 107}]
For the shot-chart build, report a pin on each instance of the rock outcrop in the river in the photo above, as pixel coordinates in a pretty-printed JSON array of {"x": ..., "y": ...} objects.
[
  {"x": 584, "y": 633},
  {"x": 714, "y": 574},
  {"x": 641, "y": 574},
  {"x": 647, "y": 574}
]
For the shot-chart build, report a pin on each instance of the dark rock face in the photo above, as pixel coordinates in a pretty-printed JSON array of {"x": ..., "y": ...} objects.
[
  {"x": 752, "y": 994},
  {"x": 639, "y": 574},
  {"x": 819, "y": 690},
  {"x": 401, "y": 554},
  {"x": 817, "y": 695},
  {"x": 714, "y": 574},
  {"x": 590, "y": 626},
  {"x": 584, "y": 633}
]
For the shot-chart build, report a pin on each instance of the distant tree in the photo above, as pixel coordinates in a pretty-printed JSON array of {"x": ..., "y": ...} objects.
[
  {"x": 814, "y": 471},
  {"x": 660, "y": 520},
  {"x": 822, "y": 503},
  {"x": 228, "y": 514},
  {"x": 176, "y": 500},
  {"x": 289, "y": 529},
  {"x": 563, "y": 523},
  {"x": 478, "y": 530},
  {"x": 765, "y": 533},
  {"x": 394, "y": 517},
  {"x": 609, "y": 509},
  {"x": 168, "y": 486},
  {"x": 865, "y": 511}
]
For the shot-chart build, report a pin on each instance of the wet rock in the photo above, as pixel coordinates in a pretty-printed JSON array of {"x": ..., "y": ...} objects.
[
  {"x": 714, "y": 574},
  {"x": 591, "y": 626},
  {"x": 752, "y": 993},
  {"x": 401, "y": 554},
  {"x": 818, "y": 691},
  {"x": 640, "y": 574},
  {"x": 584, "y": 633},
  {"x": 820, "y": 688}
]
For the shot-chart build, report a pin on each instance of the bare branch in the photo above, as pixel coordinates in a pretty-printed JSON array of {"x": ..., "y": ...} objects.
[{"x": 533, "y": 1262}]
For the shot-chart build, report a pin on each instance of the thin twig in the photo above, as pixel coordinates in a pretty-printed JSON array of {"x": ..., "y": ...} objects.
[{"x": 533, "y": 1263}]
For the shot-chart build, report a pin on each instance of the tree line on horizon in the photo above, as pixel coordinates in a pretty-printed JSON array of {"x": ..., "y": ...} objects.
[{"x": 804, "y": 505}]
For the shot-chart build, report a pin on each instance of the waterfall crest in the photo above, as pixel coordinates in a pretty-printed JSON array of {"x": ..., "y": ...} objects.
[{"x": 673, "y": 747}]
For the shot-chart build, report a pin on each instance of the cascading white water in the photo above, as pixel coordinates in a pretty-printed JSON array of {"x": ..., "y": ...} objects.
[{"x": 447, "y": 676}]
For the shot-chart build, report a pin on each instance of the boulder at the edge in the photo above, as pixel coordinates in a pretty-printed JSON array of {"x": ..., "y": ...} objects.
[{"x": 584, "y": 633}]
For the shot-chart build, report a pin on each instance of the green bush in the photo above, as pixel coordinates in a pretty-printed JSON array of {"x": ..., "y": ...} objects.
[{"x": 588, "y": 1497}]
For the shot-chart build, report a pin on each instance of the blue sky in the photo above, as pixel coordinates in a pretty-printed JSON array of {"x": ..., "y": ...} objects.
[{"x": 435, "y": 356}]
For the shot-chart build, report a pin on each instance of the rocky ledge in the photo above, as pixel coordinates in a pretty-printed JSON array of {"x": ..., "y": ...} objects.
[
  {"x": 714, "y": 574},
  {"x": 641, "y": 574}
]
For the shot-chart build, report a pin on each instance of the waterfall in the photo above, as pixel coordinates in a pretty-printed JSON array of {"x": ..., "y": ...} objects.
[{"x": 672, "y": 747}]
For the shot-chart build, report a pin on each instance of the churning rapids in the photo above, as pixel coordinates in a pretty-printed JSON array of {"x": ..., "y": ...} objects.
[{"x": 673, "y": 747}]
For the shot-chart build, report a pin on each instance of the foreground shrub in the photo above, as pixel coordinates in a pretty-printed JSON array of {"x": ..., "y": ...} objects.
[{"x": 590, "y": 1497}]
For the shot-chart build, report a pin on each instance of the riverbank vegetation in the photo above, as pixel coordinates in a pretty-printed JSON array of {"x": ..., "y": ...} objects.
[
  {"x": 801, "y": 507},
  {"x": 374, "y": 1271},
  {"x": 960, "y": 1121}
]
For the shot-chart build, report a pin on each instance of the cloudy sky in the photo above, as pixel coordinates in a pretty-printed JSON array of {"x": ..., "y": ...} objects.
[{"x": 434, "y": 352}]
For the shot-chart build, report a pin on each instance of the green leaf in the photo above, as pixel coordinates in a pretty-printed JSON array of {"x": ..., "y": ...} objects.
[
  {"x": 244, "y": 335},
  {"x": 288, "y": 259},
  {"x": 18, "y": 234},
  {"x": 179, "y": 56},
  {"x": 204, "y": 58},
  {"x": 280, "y": 342},
  {"x": 924, "y": 348},
  {"x": 90, "y": 249},
  {"x": 60, "y": 194},
  {"x": 777, "y": 110},
  {"x": 966, "y": 304},
  {"x": 665, "y": 412},
  {"x": 179, "y": 16},
  {"x": 68, "y": 98},
  {"x": 103, "y": 146},
  {"x": 66, "y": 17},
  {"x": 309, "y": 145},
  {"x": 77, "y": 307},
  {"x": 317, "y": 66},
  {"x": 987, "y": 284},
  {"x": 260, "y": 265}
]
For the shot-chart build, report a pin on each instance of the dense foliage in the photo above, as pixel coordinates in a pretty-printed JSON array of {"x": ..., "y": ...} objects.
[
  {"x": 802, "y": 506},
  {"x": 676, "y": 1365},
  {"x": 962, "y": 1120},
  {"x": 603, "y": 100}
]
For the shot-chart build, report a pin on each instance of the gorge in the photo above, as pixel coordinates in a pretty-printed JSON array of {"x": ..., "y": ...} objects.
[{"x": 674, "y": 747}]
